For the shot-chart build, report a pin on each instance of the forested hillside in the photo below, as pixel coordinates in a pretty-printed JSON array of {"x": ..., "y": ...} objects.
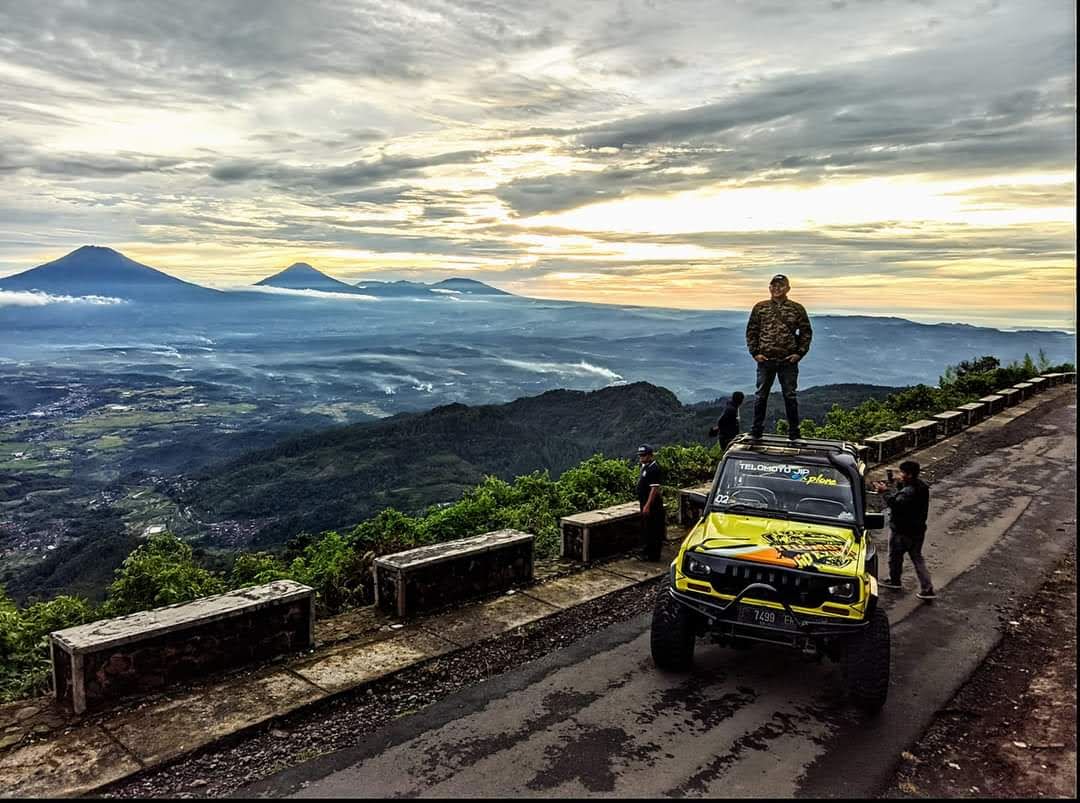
[{"x": 335, "y": 477}]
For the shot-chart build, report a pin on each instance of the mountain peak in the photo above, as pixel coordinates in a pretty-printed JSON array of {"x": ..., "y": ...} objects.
[
  {"x": 302, "y": 276},
  {"x": 98, "y": 270}
]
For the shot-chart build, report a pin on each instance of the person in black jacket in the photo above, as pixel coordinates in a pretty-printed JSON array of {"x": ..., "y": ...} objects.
[
  {"x": 727, "y": 426},
  {"x": 651, "y": 500},
  {"x": 909, "y": 506}
]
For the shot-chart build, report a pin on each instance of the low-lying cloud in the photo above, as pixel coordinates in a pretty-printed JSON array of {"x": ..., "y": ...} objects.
[
  {"x": 565, "y": 368},
  {"x": 324, "y": 294},
  {"x": 37, "y": 298}
]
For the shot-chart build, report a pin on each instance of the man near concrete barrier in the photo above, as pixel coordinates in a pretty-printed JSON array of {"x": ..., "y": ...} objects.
[
  {"x": 909, "y": 506},
  {"x": 778, "y": 335},
  {"x": 727, "y": 427},
  {"x": 652, "y": 504}
]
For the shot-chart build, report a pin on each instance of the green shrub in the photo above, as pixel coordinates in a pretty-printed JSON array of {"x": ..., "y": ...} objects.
[
  {"x": 256, "y": 568},
  {"x": 25, "y": 665},
  {"x": 339, "y": 573},
  {"x": 160, "y": 572}
]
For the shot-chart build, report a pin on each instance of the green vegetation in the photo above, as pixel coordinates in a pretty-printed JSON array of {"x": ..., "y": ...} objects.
[
  {"x": 24, "y": 641},
  {"x": 965, "y": 382}
]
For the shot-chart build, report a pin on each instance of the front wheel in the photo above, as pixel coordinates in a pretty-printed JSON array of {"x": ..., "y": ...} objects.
[
  {"x": 672, "y": 637},
  {"x": 866, "y": 664}
]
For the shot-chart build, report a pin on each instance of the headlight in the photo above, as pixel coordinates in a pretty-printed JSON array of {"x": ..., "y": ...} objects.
[
  {"x": 842, "y": 590},
  {"x": 697, "y": 568}
]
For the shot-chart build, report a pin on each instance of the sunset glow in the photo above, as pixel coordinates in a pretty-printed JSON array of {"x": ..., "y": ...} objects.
[{"x": 894, "y": 158}]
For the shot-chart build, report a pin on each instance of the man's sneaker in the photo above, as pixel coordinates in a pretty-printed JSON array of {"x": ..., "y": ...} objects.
[
  {"x": 927, "y": 594},
  {"x": 755, "y": 435},
  {"x": 794, "y": 436},
  {"x": 890, "y": 584}
]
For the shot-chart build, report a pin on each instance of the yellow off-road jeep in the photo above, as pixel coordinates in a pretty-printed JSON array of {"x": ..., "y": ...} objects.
[{"x": 782, "y": 554}]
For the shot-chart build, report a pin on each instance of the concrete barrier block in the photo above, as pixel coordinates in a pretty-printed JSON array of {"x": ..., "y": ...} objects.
[
  {"x": 99, "y": 662},
  {"x": 951, "y": 422},
  {"x": 433, "y": 576},
  {"x": 974, "y": 412},
  {"x": 995, "y": 403},
  {"x": 922, "y": 433},
  {"x": 887, "y": 444},
  {"x": 692, "y": 503},
  {"x": 1010, "y": 396},
  {"x": 597, "y": 534},
  {"x": 1026, "y": 389}
]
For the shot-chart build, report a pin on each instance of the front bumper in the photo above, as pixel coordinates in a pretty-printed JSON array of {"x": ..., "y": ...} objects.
[{"x": 724, "y": 617}]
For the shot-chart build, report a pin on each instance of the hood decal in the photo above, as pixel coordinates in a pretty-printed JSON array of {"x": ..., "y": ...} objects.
[{"x": 797, "y": 548}]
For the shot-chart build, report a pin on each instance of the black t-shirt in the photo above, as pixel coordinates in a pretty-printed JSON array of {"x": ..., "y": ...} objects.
[
  {"x": 651, "y": 474},
  {"x": 909, "y": 506},
  {"x": 728, "y": 424}
]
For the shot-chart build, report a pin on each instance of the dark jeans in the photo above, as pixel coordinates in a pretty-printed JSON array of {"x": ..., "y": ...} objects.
[
  {"x": 653, "y": 530},
  {"x": 789, "y": 380},
  {"x": 901, "y": 544}
]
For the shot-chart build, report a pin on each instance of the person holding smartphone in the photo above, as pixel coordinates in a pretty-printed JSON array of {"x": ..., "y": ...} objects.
[{"x": 909, "y": 507}]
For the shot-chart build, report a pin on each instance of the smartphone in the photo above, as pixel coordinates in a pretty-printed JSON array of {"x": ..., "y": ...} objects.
[{"x": 888, "y": 476}]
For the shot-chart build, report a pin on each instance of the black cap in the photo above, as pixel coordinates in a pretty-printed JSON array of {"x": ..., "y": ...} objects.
[
  {"x": 779, "y": 278},
  {"x": 644, "y": 449}
]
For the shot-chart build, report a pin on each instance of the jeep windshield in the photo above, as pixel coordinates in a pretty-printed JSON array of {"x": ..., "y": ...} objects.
[{"x": 785, "y": 487}]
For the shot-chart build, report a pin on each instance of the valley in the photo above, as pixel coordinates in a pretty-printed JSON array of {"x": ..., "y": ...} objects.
[{"x": 133, "y": 403}]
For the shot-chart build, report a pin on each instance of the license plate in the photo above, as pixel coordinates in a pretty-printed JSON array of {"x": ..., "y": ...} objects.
[{"x": 766, "y": 617}]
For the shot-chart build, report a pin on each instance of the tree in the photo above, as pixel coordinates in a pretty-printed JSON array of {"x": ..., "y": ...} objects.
[
  {"x": 1044, "y": 362},
  {"x": 160, "y": 572}
]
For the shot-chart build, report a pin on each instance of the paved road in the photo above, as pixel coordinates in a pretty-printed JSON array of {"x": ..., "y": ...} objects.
[{"x": 597, "y": 719}]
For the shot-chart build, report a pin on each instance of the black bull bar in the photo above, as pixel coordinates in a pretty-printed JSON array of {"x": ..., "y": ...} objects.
[{"x": 727, "y": 612}]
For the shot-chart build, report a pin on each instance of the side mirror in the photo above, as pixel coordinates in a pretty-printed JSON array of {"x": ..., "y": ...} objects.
[{"x": 874, "y": 521}]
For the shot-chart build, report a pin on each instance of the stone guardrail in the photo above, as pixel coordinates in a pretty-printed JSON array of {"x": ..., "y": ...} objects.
[
  {"x": 995, "y": 403},
  {"x": 887, "y": 444},
  {"x": 1026, "y": 389},
  {"x": 974, "y": 412},
  {"x": 922, "y": 432},
  {"x": 950, "y": 422},
  {"x": 1011, "y": 396},
  {"x": 433, "y": 576},
  {"x": 149, "y": 650},
  {"x": 597, "y": 534},
  {"x": 692, "y": 503}
]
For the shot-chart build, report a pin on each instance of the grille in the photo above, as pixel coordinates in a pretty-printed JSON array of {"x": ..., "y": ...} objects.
[{"x": 794, "y": 587}]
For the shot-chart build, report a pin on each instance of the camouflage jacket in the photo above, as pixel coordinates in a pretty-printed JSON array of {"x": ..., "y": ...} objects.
[{"x": 778, "y": 329}]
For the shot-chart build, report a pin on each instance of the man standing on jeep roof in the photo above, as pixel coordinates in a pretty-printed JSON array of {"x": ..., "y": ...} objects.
[
  {"x": 778, "y": 336},
  {"x": 652, "y": 504},
  {"x": 909, "y": 506}
]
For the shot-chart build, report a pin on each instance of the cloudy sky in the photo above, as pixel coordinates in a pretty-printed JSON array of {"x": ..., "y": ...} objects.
[{"x": 911, "y": 157}]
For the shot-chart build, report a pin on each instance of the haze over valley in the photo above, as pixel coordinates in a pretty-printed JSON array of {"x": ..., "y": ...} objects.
[{"x": 132, "y": 402}]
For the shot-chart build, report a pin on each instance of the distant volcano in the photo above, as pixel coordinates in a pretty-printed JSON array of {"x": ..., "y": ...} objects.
[
  {"x": 94, "y": 270},
  {"x": 418, "y": 289},
  {"x": 301, "y": 276},
  {"x": 469, "y": 287}
]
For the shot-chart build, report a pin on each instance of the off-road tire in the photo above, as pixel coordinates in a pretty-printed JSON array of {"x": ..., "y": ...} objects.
[
  {"x": 672, "y": 636},
  {"x": 866, "y": 664}
]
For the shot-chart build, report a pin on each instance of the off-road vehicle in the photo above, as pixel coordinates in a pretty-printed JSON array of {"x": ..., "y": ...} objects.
[{"x": 782, "y": 554}]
